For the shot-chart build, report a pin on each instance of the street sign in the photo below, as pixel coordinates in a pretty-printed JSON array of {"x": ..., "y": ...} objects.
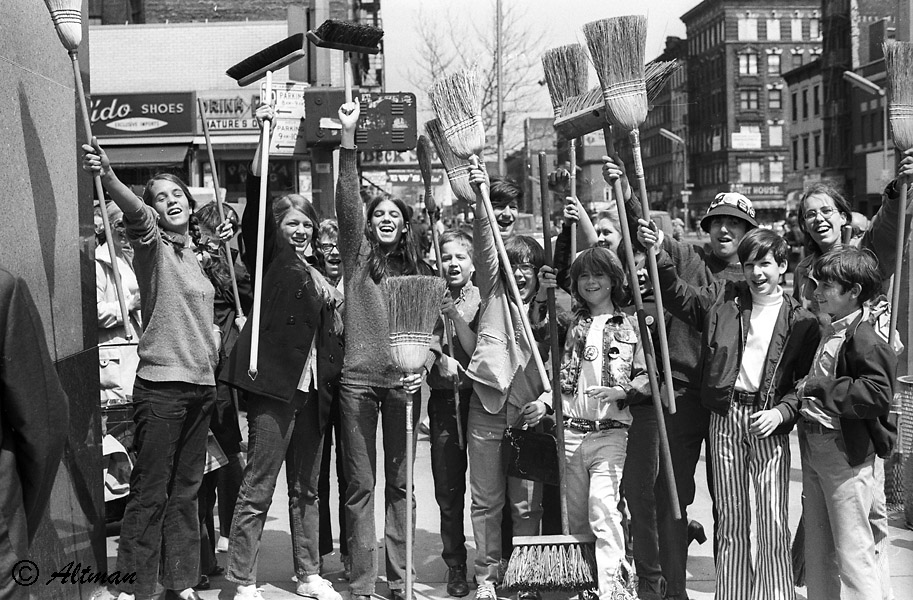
[{"x": 287, "y": 132}]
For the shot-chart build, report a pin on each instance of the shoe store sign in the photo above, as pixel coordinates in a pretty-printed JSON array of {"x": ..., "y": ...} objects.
[{"x": 115, "y": 115}]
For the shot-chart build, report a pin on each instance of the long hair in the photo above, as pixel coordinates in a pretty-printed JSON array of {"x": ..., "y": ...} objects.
[
  {"x": 149, "y": 200},
  {"x": 840, "y": 202},
  {"x": 599, "y": 260},
  {"x": 281, "y": 207},
  {"x": 402, "y": 260},
  {"x": 208, "y": 222}
]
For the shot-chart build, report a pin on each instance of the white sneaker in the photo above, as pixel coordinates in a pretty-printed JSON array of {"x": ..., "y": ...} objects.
[
  {"x": 248, "y": 592},
  {"x": 317, "y": 588},
  {"x": 486, "y": 591},
  {"x": 222, "y": 545}
]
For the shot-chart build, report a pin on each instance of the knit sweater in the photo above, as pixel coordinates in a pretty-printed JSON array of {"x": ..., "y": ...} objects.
[
  {"x": 176, "y": 301},
  {"x": 368, "y": 361}
]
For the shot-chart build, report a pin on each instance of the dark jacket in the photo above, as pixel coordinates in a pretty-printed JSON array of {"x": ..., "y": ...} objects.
[
  {"x": 722, "y": 312},
  {"x": 860, "y": 394},
  {"x": 33, "y": 418}
]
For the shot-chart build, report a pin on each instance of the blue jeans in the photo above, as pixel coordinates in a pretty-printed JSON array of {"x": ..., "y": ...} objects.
[
  {"x": 359, "y": 408},
  {"x": 278, "y": 431},
  {"x": 161, "y": 524},
  {"x": 448, "y": 467}
]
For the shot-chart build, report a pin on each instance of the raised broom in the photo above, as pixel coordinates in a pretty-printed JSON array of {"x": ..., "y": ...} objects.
[
  {"x": 251, "y": 69},
  {"x": 413, "y": 308},
  {"x": 457, "y": 102},
  {"x": 424, "y": 163},
  {"x": 898, "y": 58},
  {"x": 457, "y": 168},
  {"x": 565, "y": 69},
  {"x": 553, "y": 562},
  {"x": 67, "y": 18},
  {"x": 617, "y": 47},
  {"x": 350, "y": 38}
]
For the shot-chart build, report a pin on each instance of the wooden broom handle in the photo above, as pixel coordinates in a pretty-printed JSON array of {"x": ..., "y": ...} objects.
[
  {"x": 511, "y": 284},
  {"x": 573, "y": 181},
  {"x": 100, "y": 192},
  {"x": 409, "y": 493},
  {"x": 646, "y": 340},
  {"x": 555, "y": 347},
  {"x": 220, "y": 206},
  {"x": 261, "y": 233},
  {"x": 898, "y": 253}
]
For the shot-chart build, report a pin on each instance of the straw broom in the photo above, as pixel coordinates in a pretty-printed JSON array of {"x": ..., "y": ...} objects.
[
  {"x": 413, "y": 307},
  {"x": 552, "y": 562},
  {"x": 617, "y": 48},
  {"x": 424, "y": 163},
  {"x": 898, "y": 58},
  {"x": 67, "y": 18},
  {"x": 565, "y": 70},
  {"x": 457, "y": 168},
  {"x": 457, "y": 102}
]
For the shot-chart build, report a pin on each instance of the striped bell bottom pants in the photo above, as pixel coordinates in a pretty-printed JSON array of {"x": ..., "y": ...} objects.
[{"x": 743, "y": 463}]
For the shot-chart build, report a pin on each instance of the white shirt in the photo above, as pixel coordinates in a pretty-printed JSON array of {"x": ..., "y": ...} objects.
[{"x": 764, "y": 312}]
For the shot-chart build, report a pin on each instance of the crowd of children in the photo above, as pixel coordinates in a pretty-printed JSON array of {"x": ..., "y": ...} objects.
[{"x": 749, "y": 363}]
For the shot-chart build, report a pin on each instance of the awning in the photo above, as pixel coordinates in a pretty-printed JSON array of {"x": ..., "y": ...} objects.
[{"x": 146, "y": 155}]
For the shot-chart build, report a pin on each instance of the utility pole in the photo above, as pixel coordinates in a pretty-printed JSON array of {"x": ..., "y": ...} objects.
[{"x": 499, "y": 115}]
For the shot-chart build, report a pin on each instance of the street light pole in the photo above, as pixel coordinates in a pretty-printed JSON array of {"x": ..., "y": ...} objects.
[
  {"x": 686, "y": 193},
  {"x": 871, "y": 87}
]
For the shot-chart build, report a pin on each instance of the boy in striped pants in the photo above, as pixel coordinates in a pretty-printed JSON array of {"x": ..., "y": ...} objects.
[{"x": 755, "y": 347}]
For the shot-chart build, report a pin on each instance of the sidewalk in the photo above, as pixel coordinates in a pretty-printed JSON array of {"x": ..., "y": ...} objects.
[{"x": 275, "y": 563}]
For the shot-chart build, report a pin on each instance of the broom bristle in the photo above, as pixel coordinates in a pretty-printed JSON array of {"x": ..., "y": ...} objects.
[
  {"x": 898, "y": 58},
  {"x": 545, "y": 567},
  {"x": 457, "y": 168},
  {"x": 343, "y": 35},
  {"x": 565, "y": 70},
  {"x": 413, "y": 308},
  {"x": 67, "y": 17},
  {"x": 457, "y": 102},
  {"x": 272, "y": 58},
  {"x": 617, "y": 47},
  {"x": 423, "y": 152}
]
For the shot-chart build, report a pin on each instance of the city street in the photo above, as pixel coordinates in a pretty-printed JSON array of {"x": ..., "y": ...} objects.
[{"x": 275, "y": 564}]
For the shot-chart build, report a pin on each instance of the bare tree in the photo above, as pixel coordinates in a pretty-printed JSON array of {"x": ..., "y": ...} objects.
[{"x": 448, "y": 42}]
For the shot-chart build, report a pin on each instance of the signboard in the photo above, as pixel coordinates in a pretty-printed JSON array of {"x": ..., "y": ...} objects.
[
  {"x": 118, "y": 115},
  {"x": 229, "y": 111},
  {"x": 413, "y": 177},
  {"x": 746, "y": 141},
  {"x": 758, "y": 190},
  {"x": 287, "y": 132},
  {"x": 388, "y": 121}
]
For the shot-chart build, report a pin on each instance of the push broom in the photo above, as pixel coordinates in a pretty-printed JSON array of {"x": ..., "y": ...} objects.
[
  {"x": 220, "y": 206},
  {"x": 413, "y": 307},
  {"x": 424, "y": 163},
  {"x": 565, "y": 70},
  {"x": 251, "y": 69},
  {"x": 553, "y": 562},
  {"x": 67, "y": 17},
  {"x": 350, "y": 38},
  {"x": 457, "y": 102},
  {"x": 898, "y": 58},
  {"x": 617, "y": 47}
]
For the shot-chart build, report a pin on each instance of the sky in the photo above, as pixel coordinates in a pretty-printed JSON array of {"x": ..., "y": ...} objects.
[{"x": 560, "y": 20}]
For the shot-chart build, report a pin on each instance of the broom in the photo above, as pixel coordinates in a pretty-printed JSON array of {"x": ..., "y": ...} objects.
[
  {"x": 221, "y": 207},
  {"x": 424, "y": 163},
  {"x": 457, "y": 102},
  {"x": 348, "y": 37},
  {"x": 457, "y": 168},
  {"x": 553, "y": 562},
  {"x": 565, "y": 70},
  {"x": 67, "y": 18},
  {"x": 617, "y": 47},
  {"x": 898, "y": 58},
  {"x": 262, "y": 64},
  {"x": 413, "y": 307}
]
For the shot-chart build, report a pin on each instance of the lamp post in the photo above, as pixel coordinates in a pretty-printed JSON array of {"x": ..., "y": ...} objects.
[
  {"x": 873, "y": 88},
  {"x": 686, "y": 193}
]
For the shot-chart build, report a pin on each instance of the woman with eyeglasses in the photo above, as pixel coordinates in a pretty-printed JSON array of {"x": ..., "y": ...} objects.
[{"x": 288, "y": 402}]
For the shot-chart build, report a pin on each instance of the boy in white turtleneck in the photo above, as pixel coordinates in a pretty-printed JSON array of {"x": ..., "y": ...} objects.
[{"x": 756, "y": 344}]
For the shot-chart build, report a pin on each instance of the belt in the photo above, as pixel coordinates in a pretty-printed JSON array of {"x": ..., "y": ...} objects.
[
  {"x": 815, "y": 427},
  {"x": 587, "y": 426},
  {"x": 746, "y": 398}
]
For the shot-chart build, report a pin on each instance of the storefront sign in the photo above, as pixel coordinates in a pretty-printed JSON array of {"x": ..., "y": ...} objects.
[
  {"x": 413, "y": 177},
  {"x": 142, "y": 114},
  {"x": 758, "y": 190},
  {"x": 229, "y": 111}
]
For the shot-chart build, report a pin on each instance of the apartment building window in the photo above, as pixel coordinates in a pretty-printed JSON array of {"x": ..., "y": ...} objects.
[
  {"x": 748, "y": 99},
  {"x": 773, "y": 29},
  {"x": 749, "y": 170},
  {"x": 818, "y": 155},
  {"x": 773, "y": 64},
  {"x": 805, "y": 103},
  {"x": 748, "y": 63},
  {"x": 748, "y": 29},
  {"x": 775, "y": 99},
  {"x": 805, "y": 152},
  {"x": 798, "y": 58},
  {"x": 814, "y": 29},
  {"x": 816, "y": 100},
  {"x": 775, "y": 135},
  {"x": 796, "y": 29},
  {"x": 776, "y": 171},
  {"x": 795, "y": 154}
]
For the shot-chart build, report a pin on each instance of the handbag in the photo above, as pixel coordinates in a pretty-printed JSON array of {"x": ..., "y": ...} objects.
[{"x": 531, "y": 455}]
